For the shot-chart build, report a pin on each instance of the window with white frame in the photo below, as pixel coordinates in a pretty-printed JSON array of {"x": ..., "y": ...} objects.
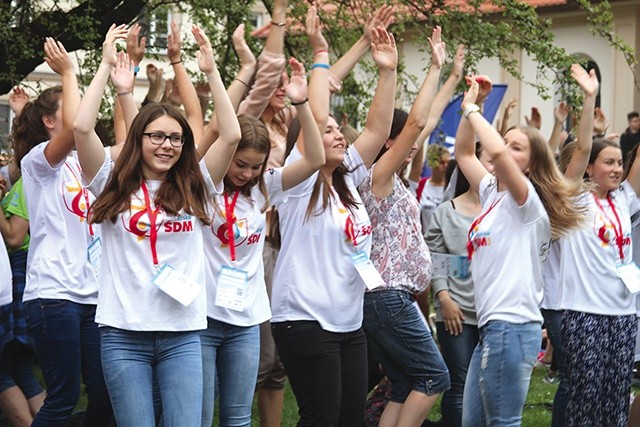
[{"x": 157, "y": 25}]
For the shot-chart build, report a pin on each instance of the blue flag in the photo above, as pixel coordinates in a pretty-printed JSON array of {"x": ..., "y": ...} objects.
[{"x": 445, "y": 132}]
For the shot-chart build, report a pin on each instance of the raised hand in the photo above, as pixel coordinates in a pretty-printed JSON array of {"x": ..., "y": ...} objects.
[
  {"x": 56, "y": 56},
  {"x": 109, "y": 52},
  {"x": 174, "y": 43},
  {"x": 513, "y": 102},
  {"x": 535, "y": 120},
  {"x": 561, "y": 112},
  {"x": 206, "y": 62},
  {"x": 17, "y": 100},
  {"x": 136, "y": 44},
  {"x": 471, "y": 95},
  {"x": 245, "y": 55},
  {"x": 458, "y": 61},
  {"x": 122, "y": 75},
  {"x": 438, "y": 48},
  {"x": 382, "y": 18},
  {"x": 312, "y": 28},
  {"x": 600, "y": 122},
  {"x": 296, "y": 86},
  {"x": 588, "y": 81},
  {"x": 383, "y": 49}
]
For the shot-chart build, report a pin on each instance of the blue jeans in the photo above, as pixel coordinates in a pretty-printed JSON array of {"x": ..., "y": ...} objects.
[
  {"x": 457, "y": 352},
  {"x": 68, "y": 347},
  {"x": 403, "y": 345},
  {"x": 231, "y": 355},
  {"x": 132, "y": 360},
  {"x": 499, "y": 374},
  {"x": 553, "y": 323}
]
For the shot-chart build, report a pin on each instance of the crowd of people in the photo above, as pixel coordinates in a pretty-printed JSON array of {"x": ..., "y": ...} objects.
[{"x": 196, "y": 261}]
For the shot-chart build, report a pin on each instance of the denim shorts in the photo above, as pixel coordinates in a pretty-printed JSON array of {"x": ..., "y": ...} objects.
[{"x": 403, "y": 344}]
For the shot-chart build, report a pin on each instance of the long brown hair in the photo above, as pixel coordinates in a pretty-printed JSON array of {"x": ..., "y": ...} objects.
[
  {"x": 183, "y": 187},
  {"x": 557, "y": 193},
  {"x": 255, "y": 136},
  {"x": 337, "y": 176},
  {"x": 28, "y": 128}
]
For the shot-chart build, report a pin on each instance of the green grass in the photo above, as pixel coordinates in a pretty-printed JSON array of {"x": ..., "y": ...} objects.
[{"x": 537, "y": 411}]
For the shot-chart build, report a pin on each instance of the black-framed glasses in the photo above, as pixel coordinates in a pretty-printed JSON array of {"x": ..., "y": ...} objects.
[{"x": 158, "y": 138}]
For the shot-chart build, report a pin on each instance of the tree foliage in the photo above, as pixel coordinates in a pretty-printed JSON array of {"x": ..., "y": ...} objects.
[{"x": 489, "y": 29}]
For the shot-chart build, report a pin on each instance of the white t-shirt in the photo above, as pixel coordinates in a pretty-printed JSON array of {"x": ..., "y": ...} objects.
[
  {"x": 6, "y": 286},
  {"x": 590, "y": 282},
  {"x": 510, "y": 243},
  {"x": 551, "y": 278},
  {"x": 58, "y": 264},
  {"x": 315, "y": 278},
  {"x": 128, "y": 299},
  {"x": 249, "y": 237}
]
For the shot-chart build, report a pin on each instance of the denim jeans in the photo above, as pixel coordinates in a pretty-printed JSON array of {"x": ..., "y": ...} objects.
[
  {"x": 68, "y": 347},
  {"x": 456, "y": 351},
  {"x": 403, "y": 345},
  {"x": 17, "y": 365},
  {"x": 327, "y": 372},
  {"x": 133, "y": 359},
  {"x": 499, "y": 374},
  {"x": 230, "y": 355},
  {"x": 553, "y": 323}
]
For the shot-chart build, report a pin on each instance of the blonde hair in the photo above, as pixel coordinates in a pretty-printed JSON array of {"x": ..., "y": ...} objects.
[{"x": 557, "y": 193}]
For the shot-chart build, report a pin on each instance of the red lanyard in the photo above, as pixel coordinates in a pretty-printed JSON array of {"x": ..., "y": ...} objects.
[
  {"x": 229, "y": 208},
  {"x": 617, "y": 230},
  {"x": 85, "y": 195},
  {"x": 475, "y": 223},
  {"x": 153, "y": 232}
]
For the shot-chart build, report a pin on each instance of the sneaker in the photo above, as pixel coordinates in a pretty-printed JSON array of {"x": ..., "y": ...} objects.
[
  {"x": 540, "y": 363},
  {"x": 551, "y": 377}
]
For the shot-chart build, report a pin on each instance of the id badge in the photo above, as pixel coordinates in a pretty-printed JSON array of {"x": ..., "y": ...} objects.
[
  {"x": 175, "y": 284},
  {"x": 448, "y": 265},
  {"x": 630, "y": 275},
  {"x": 231, "y": 288},
  {"x": 367, "y": 271},
  {"x": 94, "y": 255}
]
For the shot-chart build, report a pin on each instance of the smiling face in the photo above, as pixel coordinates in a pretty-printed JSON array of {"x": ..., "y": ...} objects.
[
  {"x": 157, "y": 160},
  {"x": 276, "y": 103},
  {"x": 606, "y": 169},
  {"x": 334, "y": 143},
  {"x": 245, "y": 166},
  {"x": 520, "y": 148}
]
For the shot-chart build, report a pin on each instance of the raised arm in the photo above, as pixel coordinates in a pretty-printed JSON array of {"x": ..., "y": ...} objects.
[
  {"x": 506, "y": 115},
  {"x": 506, "y": 169},
  {"x": 560, "y": 114},
  {"x": 344, "y": 65},
  {"x": 90, "y": 150},
  {"x": 313, "y": 150},
  {"x": 135, "y": 49},
  {"x": 442, "y": 99},
  {"x": 270, "y": 65},
  {"x": 387, "y": 166},
  {"x": 58, "y": 60},
  {"x": 378, "y": 125},
  {"x": 240, "y": 85},
  {"x": 580, "y": 159},
  {"x": 183, "y": 82},
  {"x": 319, "y": 95},
  {"x": 218, "y": 157},
  {"x": 123, "y": 77}
]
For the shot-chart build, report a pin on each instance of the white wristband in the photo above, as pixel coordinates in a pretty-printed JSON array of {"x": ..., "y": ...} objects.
[{"x": 472, "y": 108}]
